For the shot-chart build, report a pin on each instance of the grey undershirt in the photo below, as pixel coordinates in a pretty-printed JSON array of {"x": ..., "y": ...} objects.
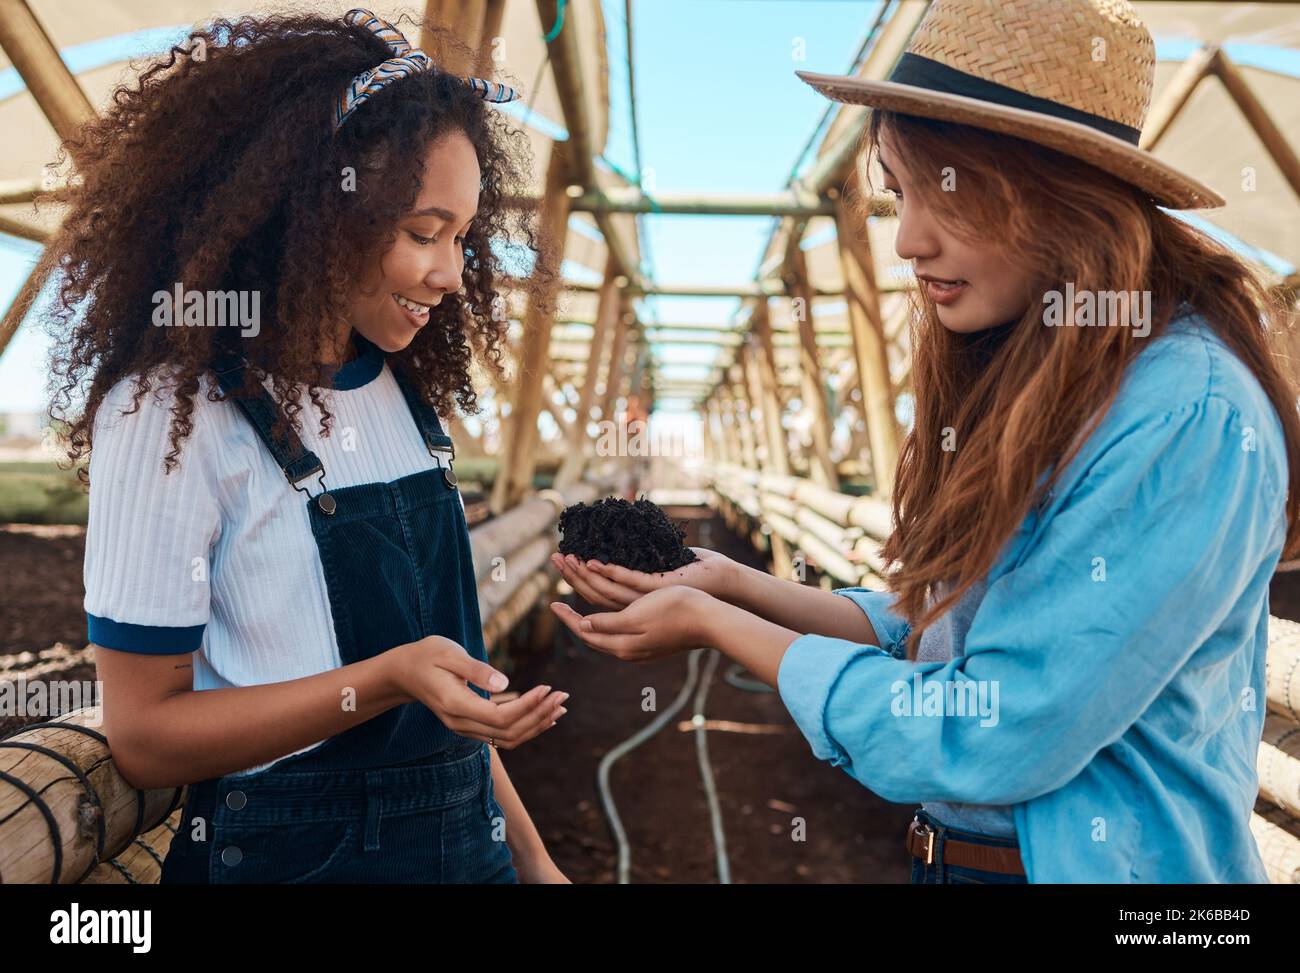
[{"x": 942, "y": 641}]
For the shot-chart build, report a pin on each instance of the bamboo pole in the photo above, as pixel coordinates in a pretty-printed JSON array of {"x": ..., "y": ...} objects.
[
  {"x": 810, "y": 372},
  {"x": 567, "y": 72},
  {"x": 464, "y": 19},
  {"x": 630, "y": 199},
  {"x": 870, "y": 351},
  {"x": 766, "y": 288},
  {"x": 60, "y": 98},
  {"x": 617, "y": 359},
  {"x": 1176, "y": 94},
  {"x": 1275, "y": 142},
  {"x": 515, "y": 476},
  {"x": 493, "y": 17},
  {"x": 744, "y": 427},
  {"x": 64, "y": 807},
  {"x": 720, "y": 433},
  {"x": 606, "y": 313},
  {"x": 778, "y": 460},
  {"x": 761, "y": 373},
  {"x": 38, "y": 63}
]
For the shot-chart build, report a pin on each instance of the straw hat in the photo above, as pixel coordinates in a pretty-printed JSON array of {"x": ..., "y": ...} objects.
[{"x": 1074, "y": 75}]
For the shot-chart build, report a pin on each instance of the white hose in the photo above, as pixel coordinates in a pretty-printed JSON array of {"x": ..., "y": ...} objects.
[{"x": 627, "y": 746}]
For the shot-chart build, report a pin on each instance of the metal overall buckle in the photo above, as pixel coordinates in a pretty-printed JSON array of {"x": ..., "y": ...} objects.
[
  {"x": 324, "y": 501},
  {"x": 448, "y": 474}
]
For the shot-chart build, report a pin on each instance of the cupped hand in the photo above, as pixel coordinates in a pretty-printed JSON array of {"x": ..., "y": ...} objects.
[
  {"x": 614, "y": 586},
  {"x": 437, "y": 672},
  {"x": 659, "y": 623}
]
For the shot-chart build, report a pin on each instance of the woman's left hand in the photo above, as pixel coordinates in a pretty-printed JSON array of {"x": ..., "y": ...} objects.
[{"x": 660, "y": 623}]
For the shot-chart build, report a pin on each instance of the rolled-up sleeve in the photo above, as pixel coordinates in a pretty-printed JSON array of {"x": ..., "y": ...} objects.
[
  {"x": 891, "y": 628},
  {"x": 1175, "y": 518}
]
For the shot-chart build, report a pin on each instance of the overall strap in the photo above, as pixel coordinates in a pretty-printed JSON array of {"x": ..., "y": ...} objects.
[
  {"x": 426, "y": 419},
  {"x": 294, "y": 459}
]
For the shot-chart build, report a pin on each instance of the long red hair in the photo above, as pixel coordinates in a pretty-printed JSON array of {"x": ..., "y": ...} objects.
[{"x": 1019, "y": 395}]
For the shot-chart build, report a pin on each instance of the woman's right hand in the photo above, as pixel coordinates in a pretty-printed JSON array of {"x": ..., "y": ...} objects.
[
  {"x": 615, "y": 587},
  {"x": 436, "y": 671}
]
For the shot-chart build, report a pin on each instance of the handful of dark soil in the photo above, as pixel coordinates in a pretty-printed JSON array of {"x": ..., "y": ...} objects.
[{"x": 637, "y": 535}]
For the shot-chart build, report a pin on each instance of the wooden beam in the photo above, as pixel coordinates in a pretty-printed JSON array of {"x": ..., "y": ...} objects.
[
  {"x": 617, "y": 356},
  {"x": 870, "y": 350},
  {"x": 464, "y": 20},
  {"x": 606, "y": 315},
  {"x": 24, "y": 231},
  {"x": 60, "y": 98},
  {"x": 810, "y": 373},
  {"x": 631, "y": 199},
  {"x": 566, "y": 69},
  {"x": 1275, "y": 142},
  {"x": 38, "y": 63},
  {"x": 515, "y": 475},
  {"x": 766, "y": 288},
  {"x": 1176, "y": 95},
  {"x": 762, "y": 383},
  {"x": 769, "y": 403},
  {"x": 735, "y": 394},
  {"x": 493, "y": 17}
]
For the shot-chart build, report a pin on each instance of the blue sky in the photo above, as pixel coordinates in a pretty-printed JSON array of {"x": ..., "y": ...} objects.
[{"x": 719, "y": 109}]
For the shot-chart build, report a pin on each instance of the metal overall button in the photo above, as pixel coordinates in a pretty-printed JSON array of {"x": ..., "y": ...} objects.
[
  {"x": 236, "y": 800},
  {"x": 324, "y": 501},
  {"x": 448, "y": 474}
]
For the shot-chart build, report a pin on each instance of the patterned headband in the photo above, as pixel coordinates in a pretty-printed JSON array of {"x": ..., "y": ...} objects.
[{"x": 406, "y": 60}]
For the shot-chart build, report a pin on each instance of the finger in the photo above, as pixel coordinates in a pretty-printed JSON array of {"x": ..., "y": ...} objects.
[
  {"x": 463, "y": 703},
  {"x": 635, "y": 580},
  {"x": 613, "y": 623},
  {"x": 581, "y": 585},
  {"x": 523, "y": 726},
  {"x": 613, "y": 644},
  {"x": 540, "y": 700},
  {"x": 472, "y": 670},
  {"x": 497, "y": 736},
  {"x": 612, "y": 590},
  {"x": 534, "y": 724},
  {"x": 598, "y": 590}
]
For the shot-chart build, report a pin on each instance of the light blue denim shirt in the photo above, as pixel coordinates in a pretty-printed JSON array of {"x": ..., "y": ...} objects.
[
  {"x": 1113, "y": 675},
  {"x": 940, "y": 642}
]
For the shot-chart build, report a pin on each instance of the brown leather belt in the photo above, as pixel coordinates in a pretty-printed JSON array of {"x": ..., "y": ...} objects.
[{"x": 966, "y": 854}]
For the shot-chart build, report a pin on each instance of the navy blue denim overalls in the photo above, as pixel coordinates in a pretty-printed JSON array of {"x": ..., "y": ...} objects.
[{"x": 399, "y": 798}]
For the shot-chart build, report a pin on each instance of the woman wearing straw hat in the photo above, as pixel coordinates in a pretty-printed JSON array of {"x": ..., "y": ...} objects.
[{"x": 1067, "y": 672}]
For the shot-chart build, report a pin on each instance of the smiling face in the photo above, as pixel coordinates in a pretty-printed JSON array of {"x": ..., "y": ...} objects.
[
  {"x": 973, "y": 286},
  {"x": 428, "y": 258}
]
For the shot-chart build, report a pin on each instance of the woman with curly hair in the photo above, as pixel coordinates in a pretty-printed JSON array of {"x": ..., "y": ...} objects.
[{"x": 279, "y": 585}]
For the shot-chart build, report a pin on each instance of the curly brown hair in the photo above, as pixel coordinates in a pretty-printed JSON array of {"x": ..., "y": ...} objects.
[{"x": 219, "y": 168}]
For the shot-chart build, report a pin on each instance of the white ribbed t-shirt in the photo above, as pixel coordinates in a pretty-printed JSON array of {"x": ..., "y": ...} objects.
[{"x": 217, "y": 557}]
